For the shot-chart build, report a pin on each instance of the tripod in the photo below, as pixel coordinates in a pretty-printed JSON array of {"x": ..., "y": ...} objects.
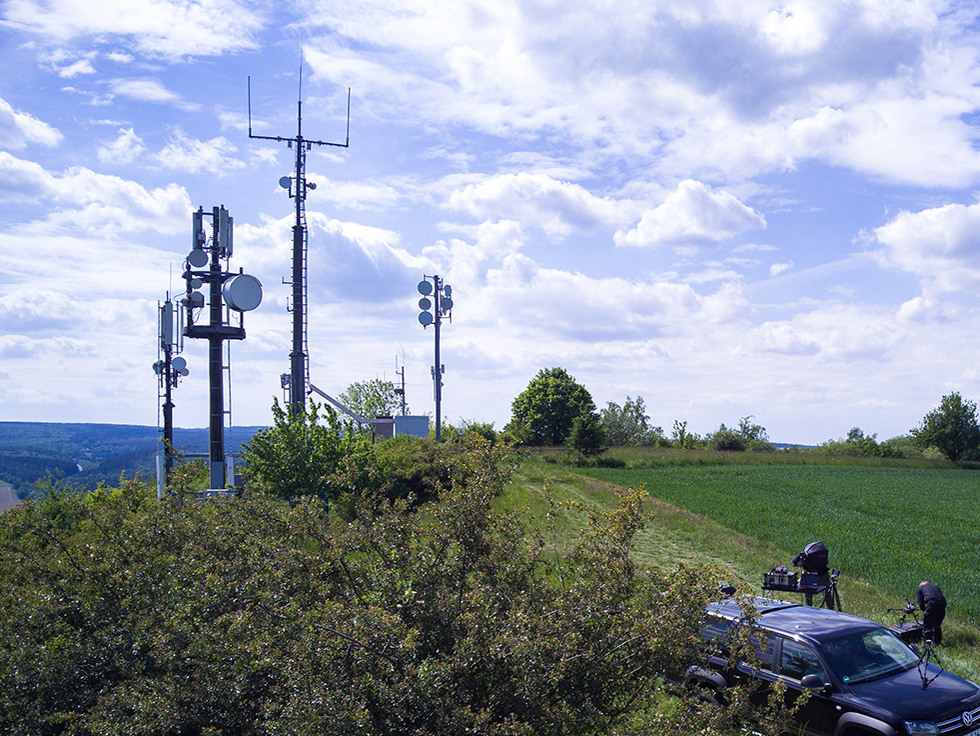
[{"x": 831, "y": 598}]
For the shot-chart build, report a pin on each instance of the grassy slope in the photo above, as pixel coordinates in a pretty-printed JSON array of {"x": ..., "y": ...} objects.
[{"x": 675, "y": 535}]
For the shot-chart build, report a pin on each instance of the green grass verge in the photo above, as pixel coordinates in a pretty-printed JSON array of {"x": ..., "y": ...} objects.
[{"x": 878, "y": 522}]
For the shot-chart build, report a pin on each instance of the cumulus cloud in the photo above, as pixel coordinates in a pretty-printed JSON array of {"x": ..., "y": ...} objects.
[
  {"x": 33, "y": 309},
  {"x": 13, "y": 347},
  {"x": 692, "y": 215},
  {"x": 217, "y": 156},
  {"x": 17, "y": 129},
  {"x": 940, "y": 245},
  {"x": 920, "y": 310},
  {"x": 835, "y": 332},
  {"x": 155, "y": 27},
  {"x": 20, "y": 180},
  {"x": 125, "y": 149},
  {"x": 96, "y": 203},
  {"x": 536, "y": 200},
  {"x": 878, "y": 87},
  {"x": 67, "y": 64}
]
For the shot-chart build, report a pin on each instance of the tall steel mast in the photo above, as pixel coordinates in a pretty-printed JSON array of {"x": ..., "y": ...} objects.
[{"x": 299, "y": 373}]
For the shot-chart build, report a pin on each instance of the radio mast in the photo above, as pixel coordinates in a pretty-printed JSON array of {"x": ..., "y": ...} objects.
[{"x": 298, "y": 377}]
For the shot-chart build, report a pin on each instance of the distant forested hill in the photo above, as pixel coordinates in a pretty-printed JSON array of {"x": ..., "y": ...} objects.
[{"x": 86, "y": 454}]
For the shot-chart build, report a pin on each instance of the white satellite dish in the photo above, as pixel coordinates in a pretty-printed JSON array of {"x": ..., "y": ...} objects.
[
  {"x": 425, "y": 288},
  {"x": 178, "y": 364},
  {"x": 425, "y": 319},
  {"x": 196, "y": 300},
  {"x": 242, "y": 292},
  {"x": 285, "y": 181},
  {"x": 425, "y": 303},
  {"x": 446, "y": 304},
  {"x": 198, "y": 258}
]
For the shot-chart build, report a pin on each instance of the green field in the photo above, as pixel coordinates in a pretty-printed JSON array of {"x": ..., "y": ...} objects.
[
  {"x": 892, "y": 526},
  {"x": 887, "y": 528}
]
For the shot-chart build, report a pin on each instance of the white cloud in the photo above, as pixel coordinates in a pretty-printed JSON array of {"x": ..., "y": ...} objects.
[
  {"x": 67, "y": 64},
  {"x": 97, "y": 204},
  {"x": 17, "y": 129},
  {"x": 58, "y": 348},
  {"x": 692, "y": 215},
  {"x": 183, "y": 153},
  {"x": 920, "y": 310},
  {"x": 33, "y": 309},
  {"x": 536, "y": 200},
  {"x": 940, "y": 245},
  {"x": 840, "y": 333},
  {"x": 155, "y": 27},
  {"x": 725, "y": 91},
  {"x": 150, "y": 90},
  {"x": 125, "y": 149}
]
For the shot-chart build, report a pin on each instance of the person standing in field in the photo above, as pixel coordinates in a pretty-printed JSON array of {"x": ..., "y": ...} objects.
[{"x": 933, "y": 605}]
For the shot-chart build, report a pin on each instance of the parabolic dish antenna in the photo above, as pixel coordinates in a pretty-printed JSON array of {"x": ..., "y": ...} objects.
[
  {"x": 425, "y": 319},
  {"x": 425, "y": 288},
  {"x": 285, "y": 181},
  {"x": 178, "y": 364},
  {"x": 446, "y": 304},
  {"x": 198, "y": 258},
  {"x": 242, "y": 292},
  {"x": 425, "y": 303}
]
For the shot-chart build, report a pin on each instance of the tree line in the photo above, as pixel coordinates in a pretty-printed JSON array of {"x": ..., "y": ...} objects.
[{"x": 555, "y": 409}]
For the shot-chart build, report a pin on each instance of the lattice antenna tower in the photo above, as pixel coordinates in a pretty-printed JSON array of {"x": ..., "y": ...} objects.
[{"x": 298, "y": 378}]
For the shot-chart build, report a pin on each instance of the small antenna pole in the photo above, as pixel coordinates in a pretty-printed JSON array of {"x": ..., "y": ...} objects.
[{"x": 298, "y": 377}]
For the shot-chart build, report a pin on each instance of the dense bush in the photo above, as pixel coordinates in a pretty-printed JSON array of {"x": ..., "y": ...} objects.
[
  {"x": 122, "y": 614},
  {"x": 300, "y": 456},
  {"x": 747, "y": 436},
  {"x": 419, "y": 468}
]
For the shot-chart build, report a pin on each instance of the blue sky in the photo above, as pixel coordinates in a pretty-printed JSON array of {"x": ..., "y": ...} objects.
[{"x": 727, "y": 208}]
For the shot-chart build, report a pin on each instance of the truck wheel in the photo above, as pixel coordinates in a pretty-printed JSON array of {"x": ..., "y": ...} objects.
[{"x": 707, "y": 694}]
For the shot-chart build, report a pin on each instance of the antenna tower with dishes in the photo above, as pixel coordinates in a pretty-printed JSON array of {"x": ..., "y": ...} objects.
[
  {"x": 441, "y": 304},
  {"x": 208, "y": 318},
  {"x": 170, "y": 368},
  {"x": 298, "y": 378}
]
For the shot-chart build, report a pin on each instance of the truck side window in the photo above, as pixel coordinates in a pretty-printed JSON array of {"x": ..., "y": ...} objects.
[
  {"x": 763, "y": 649},
  {"x": 798, "y": 660}
]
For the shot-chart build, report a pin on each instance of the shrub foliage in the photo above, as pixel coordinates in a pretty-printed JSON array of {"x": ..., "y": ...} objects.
[{"x": 258, "y": 616}]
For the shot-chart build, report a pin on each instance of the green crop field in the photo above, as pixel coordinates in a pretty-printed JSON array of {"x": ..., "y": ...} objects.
[{"x": 891, "y": 526}]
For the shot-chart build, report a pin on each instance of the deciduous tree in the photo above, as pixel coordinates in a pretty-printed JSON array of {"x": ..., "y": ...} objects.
[
  {"x": 371, "y": 399},
  {"x": 951, "y": 428},
  {"x": 546, "y": 409},
  {"x": 629, "y": 425}
]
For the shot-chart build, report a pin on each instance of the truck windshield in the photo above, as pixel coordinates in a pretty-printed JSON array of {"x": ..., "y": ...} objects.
[{"x": 868, "y": 656}]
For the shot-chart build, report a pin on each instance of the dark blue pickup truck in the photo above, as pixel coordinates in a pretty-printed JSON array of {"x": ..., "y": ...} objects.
[{"x": 862, "y": 679}]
